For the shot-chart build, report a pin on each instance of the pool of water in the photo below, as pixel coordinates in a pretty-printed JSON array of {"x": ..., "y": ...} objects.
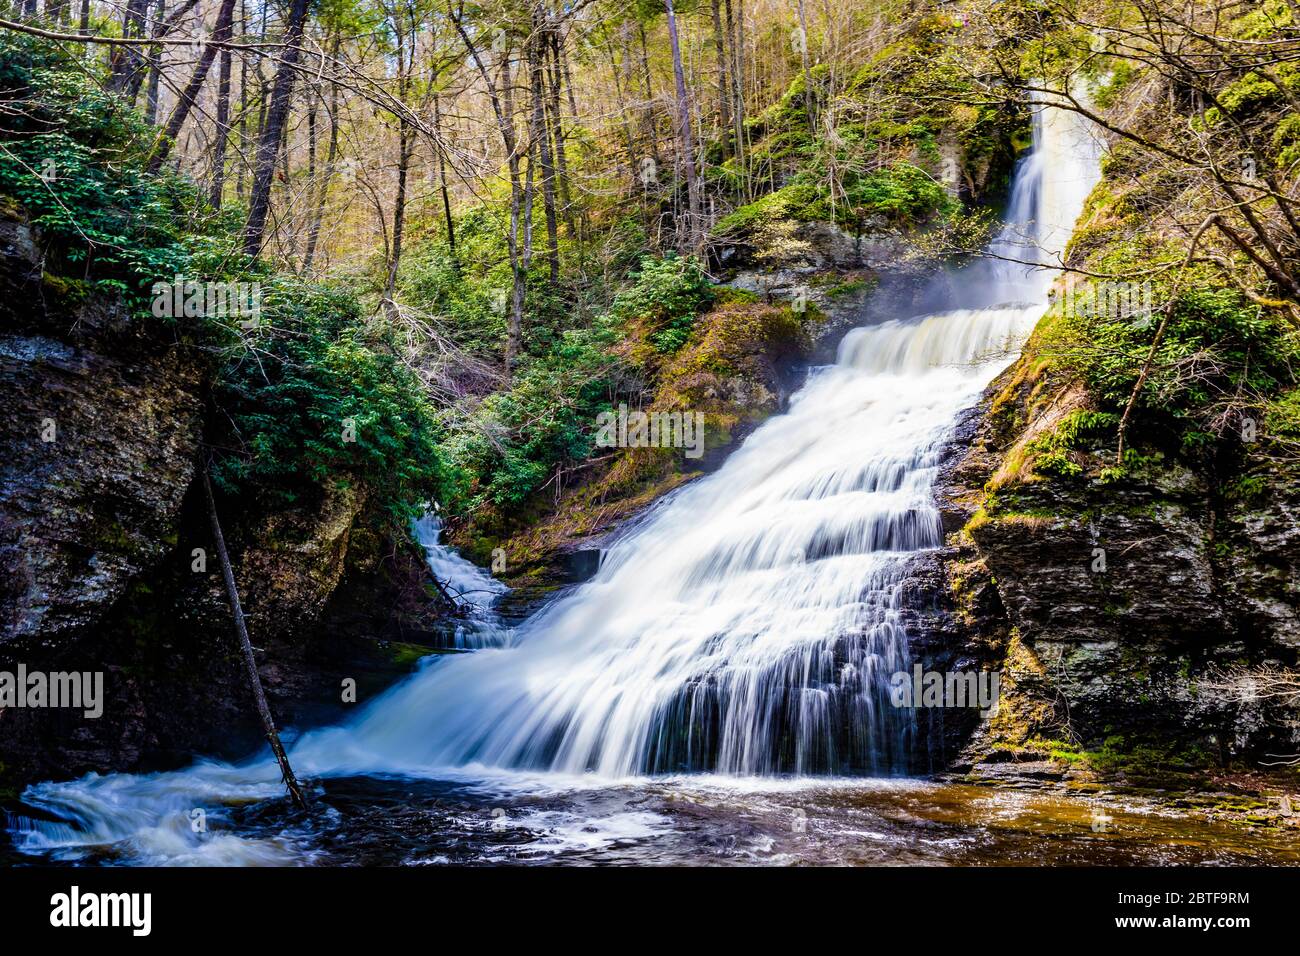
[{"x": 710, "y": 821}]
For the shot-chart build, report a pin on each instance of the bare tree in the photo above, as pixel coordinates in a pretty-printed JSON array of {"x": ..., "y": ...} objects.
[
  {"x": 272, "y": 136},
  {"x": 188, "y": 96},
  {"x": 691, "y": 235}
]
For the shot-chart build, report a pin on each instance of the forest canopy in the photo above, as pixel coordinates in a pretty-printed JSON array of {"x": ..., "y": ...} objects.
[{"x": 476, "y": 227}]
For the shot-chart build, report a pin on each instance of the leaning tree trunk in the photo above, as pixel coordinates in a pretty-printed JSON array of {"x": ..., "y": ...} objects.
[
  {"x": 268, "y": 145},
  {"x": 246, "y": 649},
  {"x": 189, "y": 95}
]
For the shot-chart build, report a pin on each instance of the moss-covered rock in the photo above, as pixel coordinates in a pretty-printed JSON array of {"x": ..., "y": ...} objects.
[{"x": 734, "y": 371}]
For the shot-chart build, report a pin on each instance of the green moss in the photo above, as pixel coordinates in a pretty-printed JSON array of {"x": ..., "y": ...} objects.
[
  {"x": 1251, "y": 92},
  {"x": 788, "y": 202},
  {"x": 850, "y": 287},
  {"x": 977, "y": 521},
  {"x": 70, "y": 291},
  {"x": 1265, "y": 21},
  {"x": 1065, "y": 751},
  {"x": 408, "y": 655},
  {"x": 1148, "y": 757}
]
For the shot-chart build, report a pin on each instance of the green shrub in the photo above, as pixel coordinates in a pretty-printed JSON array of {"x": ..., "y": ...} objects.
[
  {"x": 1218, "y": 347},
  {"x": 505, "y": 450},
  {"x": 73, "y": 158},
  {"x": 316, "y": 397},
  {"x": 667, "y": 294}
]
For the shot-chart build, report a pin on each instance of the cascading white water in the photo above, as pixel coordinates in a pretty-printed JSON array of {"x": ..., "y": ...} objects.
[
  {"x": 750, "y": 625},
  {"x": 472, "y": 589}
]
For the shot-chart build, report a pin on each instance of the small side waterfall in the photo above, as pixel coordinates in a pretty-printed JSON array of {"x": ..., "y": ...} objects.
[
  {"x": 472, "y": 589},
  {"x": 751, "y": 624}
]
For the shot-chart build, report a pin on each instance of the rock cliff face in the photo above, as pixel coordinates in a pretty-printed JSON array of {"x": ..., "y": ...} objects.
[
  {"x": 100, "y": 431},
  {"x": 100, "y": 519},
  {"x": 1112, "y": 602}
]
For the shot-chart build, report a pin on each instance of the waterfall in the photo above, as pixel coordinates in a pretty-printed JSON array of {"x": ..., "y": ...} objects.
[
  {"x": 472, "y": 589},
  {"x": 750, "y": 625}
]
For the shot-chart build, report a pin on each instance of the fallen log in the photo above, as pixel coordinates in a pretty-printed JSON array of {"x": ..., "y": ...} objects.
[{"x": 246, "y": 649}]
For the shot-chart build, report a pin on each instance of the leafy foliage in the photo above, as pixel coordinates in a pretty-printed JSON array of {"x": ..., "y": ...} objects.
[
  {"x": 73, "y": 158},
  {"x": 320, "y": 397},
  {"x": 667, "y": 294},
  {"x": 1072, "y": 433},
  {"x": 516, "y": 438},
  {"x": 1218, "y": 350}
]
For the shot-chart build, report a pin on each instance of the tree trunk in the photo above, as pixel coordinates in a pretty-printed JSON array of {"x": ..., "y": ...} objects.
[
  {"x": 242, "y": 166},
  {"x": 738, "y": 82},
  {"x": 542, "y": 139},
  {"x": 405, "y": 147},
  {"x": 223, "y": 132},
  {"x": 557, "y": 124},
  {"x": 323, "y": 194},
  {"x": 331, "y": 159},
  {"x": 150, "y": 66},
  {"x": 648, "y": 115},
  {"x": 503, "y": 108},
  {"x": 724, "y": 80},
  {"x": 650, "y": 141},
  {"x": 268, "y": 145},
  {"x": 442, "y": 179},
  {"x": 620, "y": 72},
  {"x": 404, "y": 140},
  {"x": 691, "y": 238},
  {"x": 529, "y": 195},
  {"x": 155, "y": 69},
  {"x": 246, "y": 651},
  {"x": 189, "y": 95},
  {"x": 519, "y": 273},
  {"x": 125, "y": 61},
  {"x": 807, "y": 71}
]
